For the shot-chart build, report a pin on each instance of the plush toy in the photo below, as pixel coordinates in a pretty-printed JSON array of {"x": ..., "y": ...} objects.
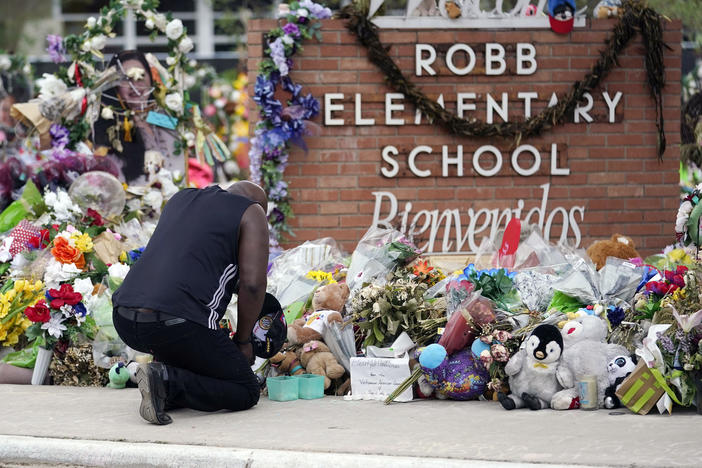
[
  {"x": 327, "y": 302},
  {"x": 532, "y": 370},
  {"x": 287, "y": 363},
  {"x": 586, "y": 352},
  {"x": 422, "y": 388},
  {"x": 426, "y": 8},
  {"x": 618, "y": 370},
  {"x": 460, "y": 376},
  {"x": 607, "y": 9},
  {"x": 318, "y": 360},
  {"x": 118, "y": 376},
  {"x": 618, "y": 246}
]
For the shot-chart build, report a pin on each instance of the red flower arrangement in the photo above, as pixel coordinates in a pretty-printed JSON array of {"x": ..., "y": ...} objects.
[
  {"x": 40, "y": 313},
  {"x": 62, "y": 296}
]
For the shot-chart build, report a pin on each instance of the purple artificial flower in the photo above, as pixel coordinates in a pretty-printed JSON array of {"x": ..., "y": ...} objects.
[
  {"x": 276, "y": 216},
  {"x": 291, "y": 29},
  {"x": 59, "y": 136},
  {"x": 615, "y": 315},
  {"x": 279, "y": 191},
  {"x": 278, "y": 56},
  {"x": 311, "y": 105},
  {"x": 56, "y": 49},
  {"x": 315, "y": 9}
]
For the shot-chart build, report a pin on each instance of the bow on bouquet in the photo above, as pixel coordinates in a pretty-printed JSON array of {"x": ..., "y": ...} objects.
[{"x": 61, "y": 315}]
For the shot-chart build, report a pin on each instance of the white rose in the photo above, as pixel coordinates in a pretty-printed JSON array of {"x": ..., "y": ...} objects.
[
  {"x": 91, "y": 22},
  {"x": 50, "y": 86},
  {"x": 83, "y": 286},
  {"x": 302, "y": 12},
  {"x": 107, "y": 113},
  {"x": 190, "y": 138},
  {"x": 160, "y": 21},
  {"x": 174, "y": 29},
  {"x": 118, "y": 271},
  {"x": 174, "y": 102},
  {"x": 189, "y": 81},
  {"x": 192, "y": 63},
  {"x": 5, "y": 62},
  {"x": 170, "y": 60},
  {"x": 98, "y": 42},
  {"x": 185, "y": 45},
  {"x": 149, "y": 23}
]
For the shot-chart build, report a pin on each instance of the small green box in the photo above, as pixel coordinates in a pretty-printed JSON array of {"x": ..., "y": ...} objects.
[
  {"x": 311, "y": 386},
  {"x": 283, "y": 388}
]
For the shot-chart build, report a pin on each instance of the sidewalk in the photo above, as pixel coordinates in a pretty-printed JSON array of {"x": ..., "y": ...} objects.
[{"x": 104, "y": 429}]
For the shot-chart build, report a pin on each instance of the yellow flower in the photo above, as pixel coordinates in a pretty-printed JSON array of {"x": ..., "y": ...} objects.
[
  {"x": 240, "y": 109},
  {"x": 679, "y": 256},
  {"x": 83, "y": 242},
  {"x": 12, "y": 338},
  {"x": 123, "y": 257}
]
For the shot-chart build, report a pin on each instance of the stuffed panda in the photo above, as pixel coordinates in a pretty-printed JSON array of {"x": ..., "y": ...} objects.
[
  {"x": 532, "y": 370},
  {"x": 618, "y": 370}
]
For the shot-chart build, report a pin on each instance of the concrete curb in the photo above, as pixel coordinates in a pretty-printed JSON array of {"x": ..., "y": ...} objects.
[{"x": 23, "y": 449}]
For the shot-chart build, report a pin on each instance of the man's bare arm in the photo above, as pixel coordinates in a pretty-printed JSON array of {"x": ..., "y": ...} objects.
[{"x": 253, "y": 263}]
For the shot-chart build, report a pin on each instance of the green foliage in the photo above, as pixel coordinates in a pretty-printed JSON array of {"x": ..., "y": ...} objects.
[{"x": 689, "y": 11}]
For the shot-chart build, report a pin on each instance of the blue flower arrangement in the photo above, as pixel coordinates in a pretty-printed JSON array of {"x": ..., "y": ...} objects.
[{"x": 282, "y": 124}]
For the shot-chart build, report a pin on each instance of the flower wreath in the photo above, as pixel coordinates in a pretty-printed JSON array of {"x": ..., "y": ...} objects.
[
  {"x": 687, "y": 221},
  {"x": 85, "y": 51},
  {"x": 280, "y": 126}
]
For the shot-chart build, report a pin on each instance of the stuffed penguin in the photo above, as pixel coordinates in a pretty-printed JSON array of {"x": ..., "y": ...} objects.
[
  {"x": 532, "y": 370},
  {"x": 618, "y": 370}
]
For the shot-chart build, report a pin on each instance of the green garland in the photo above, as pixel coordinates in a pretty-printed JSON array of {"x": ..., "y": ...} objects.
[{"x": 637, "y": 18}]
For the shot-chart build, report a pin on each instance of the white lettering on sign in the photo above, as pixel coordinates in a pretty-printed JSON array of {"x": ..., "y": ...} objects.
[
  {"x": 448, "y": 225},
  {"x": 330, "y": 107}
]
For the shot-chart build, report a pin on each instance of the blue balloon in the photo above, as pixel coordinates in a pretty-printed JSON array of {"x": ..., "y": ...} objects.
[
  {"x": 432, "y": 356},
  {"x": 478, "y": 347}
]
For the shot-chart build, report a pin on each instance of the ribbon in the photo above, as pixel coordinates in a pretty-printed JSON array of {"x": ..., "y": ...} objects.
[
  {"x": 540, "y": 365},
  {"x": 79, "y": 82},
  {"x": 310, "y": 346}
]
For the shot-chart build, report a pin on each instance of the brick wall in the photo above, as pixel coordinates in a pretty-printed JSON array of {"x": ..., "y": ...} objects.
[{"x": 614, "y": 172}]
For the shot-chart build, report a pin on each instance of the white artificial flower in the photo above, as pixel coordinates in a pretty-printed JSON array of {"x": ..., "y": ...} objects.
[
  {"x": 66, "y": 310},
  {"x": 193, "y": 63},
  {"x": 5, "y": 255},
  {"x": 107, "y": 113},
  {"x": 55, "y": 326},
  {"x": 136, "y": 73},
  {"x": 174, "y": 101},
  {"x": 190, "y": 138},
  {"x": 50, "y": 86},
  {"x": 118, "y": 271},
  {"x": 174, "y": 29},
  {"x": 160, "y": 20},
  {"x": 62, "y": 206},
  {"x": 149, "y": 23},
  {"x": 91, "y": 22},
  {"x": 168, "y": 187},
  {"x": 170, "y": 60},
  {"x": 185, "y": 45},
  {"x": 83, "y": 286},
  {"x": 189, "y": 81},
  {"x": 154, "y": 199},
  {"x": 98, "y": 42},
  {"x": 5, "y": 62},
  {"x": 56, "y": 273},
  {"x": 134, "y": 204},
  {"x": 685, "y": 207},
  {"x": 302, "y": 13},
  {"x": 288, "y": 40},
  {"x": 27, "y": 69}
]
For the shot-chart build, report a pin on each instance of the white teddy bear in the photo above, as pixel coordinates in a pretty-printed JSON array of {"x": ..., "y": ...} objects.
[{"x": 585, "y": 352}]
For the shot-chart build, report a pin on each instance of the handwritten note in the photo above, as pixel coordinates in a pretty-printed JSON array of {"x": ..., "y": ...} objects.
[{"x": 376, "y": 378}]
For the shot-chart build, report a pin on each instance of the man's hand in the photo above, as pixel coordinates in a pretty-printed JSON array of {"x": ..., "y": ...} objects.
[{"x": 247, "y": 350}]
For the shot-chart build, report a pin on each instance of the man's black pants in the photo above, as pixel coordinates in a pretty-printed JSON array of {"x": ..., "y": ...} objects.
[{"x": 206, "y": 370}]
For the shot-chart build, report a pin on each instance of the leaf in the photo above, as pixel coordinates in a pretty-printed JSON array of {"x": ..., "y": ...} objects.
[{"x": 377, "y": 333}]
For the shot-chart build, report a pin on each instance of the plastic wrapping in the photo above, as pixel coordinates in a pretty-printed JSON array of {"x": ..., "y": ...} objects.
[
  {"x": 457, "y": 335},
  {"x": 340, "y": 341},
  {"x": 376, "y": 254},
  {"x": 286, "y": 278},
  {"x": 615, "y": 284},
  {"x": 535, "y": 289}
]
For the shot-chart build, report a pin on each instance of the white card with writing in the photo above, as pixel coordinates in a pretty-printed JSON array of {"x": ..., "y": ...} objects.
[{"x": 376, "y": 378}]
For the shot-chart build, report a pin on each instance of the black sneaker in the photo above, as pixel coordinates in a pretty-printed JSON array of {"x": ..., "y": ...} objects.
[{"x": 153, "y": 393}]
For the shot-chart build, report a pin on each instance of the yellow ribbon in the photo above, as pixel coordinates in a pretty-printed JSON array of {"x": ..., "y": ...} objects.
[{"x": 540, "y": 364}]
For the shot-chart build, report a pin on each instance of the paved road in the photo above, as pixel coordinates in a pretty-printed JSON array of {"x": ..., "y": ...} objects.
[{"x": 107, "y": 431}]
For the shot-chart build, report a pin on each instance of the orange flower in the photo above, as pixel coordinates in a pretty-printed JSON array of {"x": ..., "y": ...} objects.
[
  {"x": 64, "y": 253},
  {"x": 422, "y": 268}
]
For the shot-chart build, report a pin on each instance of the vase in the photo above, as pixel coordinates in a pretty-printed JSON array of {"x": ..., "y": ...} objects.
[{"x": 41, "y": 366}]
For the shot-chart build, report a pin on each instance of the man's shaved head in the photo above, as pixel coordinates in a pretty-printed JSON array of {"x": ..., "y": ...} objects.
[{"x": 251, "y": 191}]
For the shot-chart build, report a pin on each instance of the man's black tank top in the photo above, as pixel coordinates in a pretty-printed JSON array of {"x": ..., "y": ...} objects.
[{"x": 189, "y": 267}]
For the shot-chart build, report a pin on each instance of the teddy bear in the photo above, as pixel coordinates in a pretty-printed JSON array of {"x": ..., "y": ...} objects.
[
  {"x": 317, "y": 359},
  {"x": 460, "y": 376},
  {"x": 532, "y": 370},
  {"x": 327, "y": 303},
  {"x": 586, "y": 352},
  {"x": 618, "y": 370},
  {"x": 618, "y": 246},
  {"x": 607, "y": 9},
  {"x": 287, "y": 363}
]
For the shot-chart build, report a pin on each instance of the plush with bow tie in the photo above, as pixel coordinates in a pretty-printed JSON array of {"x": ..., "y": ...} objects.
[
  {"x": 532, "y": 370},
  {"x": 318, "y": 360}
]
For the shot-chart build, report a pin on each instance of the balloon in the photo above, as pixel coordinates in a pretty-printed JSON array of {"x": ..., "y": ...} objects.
[{"x": 100, "y": 191}]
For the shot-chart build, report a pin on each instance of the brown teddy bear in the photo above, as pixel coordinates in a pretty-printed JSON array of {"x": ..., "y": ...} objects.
[
  {"x": 618, "y": 246},
  {"x": 318, "y": 360},
  {"x": 327, "y": 303},
  {"x": 287, "y": 363}
]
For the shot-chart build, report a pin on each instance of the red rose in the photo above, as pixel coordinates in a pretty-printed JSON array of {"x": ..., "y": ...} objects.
[
  {"x": 38, "y": 313},
  {"x": 64, "y": 295},
  {"x": 96, "y": 218}
]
